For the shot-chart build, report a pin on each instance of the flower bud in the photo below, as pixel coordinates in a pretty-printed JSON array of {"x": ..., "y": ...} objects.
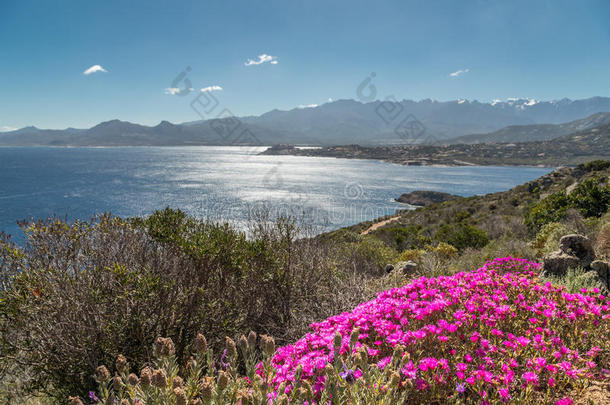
[
  {"x": 268, "y": 345},
  {"x": 200, "y": 344},
  {"x": 231, "y": 348},
  {"x": 207, "y": 391},
  {"x": 180, "y": 396},
  {"x": 159, "y": 378},
  {"x": 121, "y": 363},
  {"x": 177, "y": 382},
  {"x": 117, "y": 383},
  {"x": 102, "y": 373},
  {"x": 145, "y": 376},
  {"x": 164, "y": 346},
  {"x": 243, "y": 344},
  {"x": 133, "y": 379},
  {"x": 252, "y": 339},
  {"x": 223, "y": 381}
]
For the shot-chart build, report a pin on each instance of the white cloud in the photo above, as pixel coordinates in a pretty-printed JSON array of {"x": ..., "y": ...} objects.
[
  {"x": 210, "y": 88},
  {"x": 330, "y": 100},
  {"x": 7, "y": 129},
  {"x": 459, "y": 72},
  {"x": 262, "y": 59},
  {"x": 93, "y": 69},
  {"x": 307, "y": 106},
  {"x": 172, "y": 91}
]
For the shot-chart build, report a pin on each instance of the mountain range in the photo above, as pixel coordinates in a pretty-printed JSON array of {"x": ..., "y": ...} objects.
[{"x": 347, "y": 122}]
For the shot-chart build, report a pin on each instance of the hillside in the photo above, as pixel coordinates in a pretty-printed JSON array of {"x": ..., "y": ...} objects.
[
  {"x": 571, "y": 149},
  {"x": 341, "y": 122},
  {"x": 538, "y": 132}
]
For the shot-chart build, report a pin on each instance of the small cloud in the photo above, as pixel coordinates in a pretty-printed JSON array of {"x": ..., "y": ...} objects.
[
  {"x": 307, "y": 106},
  {"x": 211, "y": 88},
  {"x": 7, "y": 129},
  {"x": 330, "y": 100},
  {"x": 172, "y": 91},
  {"x": 262, "y": 59},
  {"x": 459, "y": 72},
  {"x": 93, "y": 69}
]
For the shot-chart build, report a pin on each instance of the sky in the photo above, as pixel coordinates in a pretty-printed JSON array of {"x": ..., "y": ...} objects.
[{"x": 77, "y": 63}]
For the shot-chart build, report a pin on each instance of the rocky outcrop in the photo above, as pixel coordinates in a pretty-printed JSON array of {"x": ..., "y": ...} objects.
[
  {"x": 579, "y": 246},
  {"x": 425, "y": 197},
  {"x": 576, "y": 251},
  {"x": 557, "y": 263}
]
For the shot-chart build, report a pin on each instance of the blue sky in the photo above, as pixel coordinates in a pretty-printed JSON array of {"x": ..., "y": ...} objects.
[{"x": 321, "y": 50}]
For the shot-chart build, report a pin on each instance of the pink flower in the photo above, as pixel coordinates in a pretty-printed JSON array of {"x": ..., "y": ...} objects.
[
  {"x": 564, "y": 401},
  {"x": 504, "y": 394},
  {"x": 530, "y": 377}
]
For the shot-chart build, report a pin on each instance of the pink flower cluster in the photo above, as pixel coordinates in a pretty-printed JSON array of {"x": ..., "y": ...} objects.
[{"x": 495, "y": 332}]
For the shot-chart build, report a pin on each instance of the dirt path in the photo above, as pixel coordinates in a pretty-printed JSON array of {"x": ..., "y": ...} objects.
[{"x": 379, "y": 225}]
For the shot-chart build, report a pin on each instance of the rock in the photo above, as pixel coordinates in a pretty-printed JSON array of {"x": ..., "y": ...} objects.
[
  {"x": 603, "y": 271},
  {"x": 557, "y": 263},
  {"x": 389, "y": 268},
  {"x": 579, "y": 246},
  {"x": 407, "y": 267},
  {"x": 424, "y": 197}
]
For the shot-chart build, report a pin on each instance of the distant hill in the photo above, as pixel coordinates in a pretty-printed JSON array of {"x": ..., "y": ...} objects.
[
  {"x": 340, "y": 122},
  {"x": 537, "y": 132},
  {"x": 573, "y": 149}
]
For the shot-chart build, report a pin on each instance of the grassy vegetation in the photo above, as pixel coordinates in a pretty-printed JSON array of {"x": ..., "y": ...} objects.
[{"x": 77, "y": 295}]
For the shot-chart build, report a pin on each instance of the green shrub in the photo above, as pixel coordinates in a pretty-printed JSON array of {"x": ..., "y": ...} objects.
[
  {"x": 549, "y": 209},
  {"x": 591, "y": 198},
  {"x": 595, "y": 165},
  {"x": 461, "y": 236}
]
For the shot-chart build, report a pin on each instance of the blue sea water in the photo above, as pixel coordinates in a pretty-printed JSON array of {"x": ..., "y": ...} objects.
[{"x": 227, "y": 183}]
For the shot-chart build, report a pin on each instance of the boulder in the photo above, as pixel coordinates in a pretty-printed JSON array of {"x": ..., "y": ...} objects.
[
  {"x": 406, "y": 267},
  {"x": 603, "y": 271},
  {"x": 557, "y": 263},
  {"x": 389, "y": 268},
  {"x": 579, "y": 246}
]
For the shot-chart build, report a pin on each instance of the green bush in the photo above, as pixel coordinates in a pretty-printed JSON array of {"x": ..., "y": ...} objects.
[
  {"x": 549, "y": 209},
  {"x": 591, "y": 198},
  {"x": 595, "y": 165},
  {"x": 461, "y": 236}
]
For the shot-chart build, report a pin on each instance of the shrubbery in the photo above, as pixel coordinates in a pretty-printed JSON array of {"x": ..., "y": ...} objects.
[
  {"x": 494, "y": 335},
  {"x": 591, "y": 198},
  {"x": 462, "y": 235},
  {"x": 76, "y": 295}
]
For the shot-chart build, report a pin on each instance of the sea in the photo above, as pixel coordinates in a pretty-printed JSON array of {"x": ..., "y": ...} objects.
[{"x": 230, "y": 184}]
